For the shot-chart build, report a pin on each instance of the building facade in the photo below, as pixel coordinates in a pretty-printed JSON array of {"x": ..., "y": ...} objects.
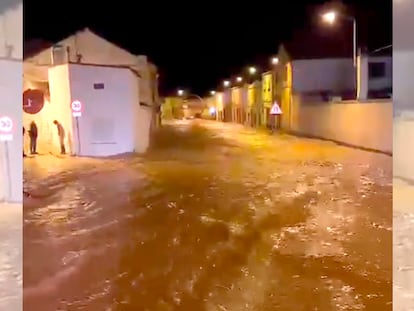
[
  {"x": 11, "y": 50},
  {"x": 87, "y": 48}
]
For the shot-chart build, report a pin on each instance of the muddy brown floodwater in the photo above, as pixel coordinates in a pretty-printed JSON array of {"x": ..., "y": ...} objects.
[{"x": 214, "y": 217}]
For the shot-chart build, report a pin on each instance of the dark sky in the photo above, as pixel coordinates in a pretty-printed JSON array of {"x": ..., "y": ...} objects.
[{"x": 197, "y": 44}]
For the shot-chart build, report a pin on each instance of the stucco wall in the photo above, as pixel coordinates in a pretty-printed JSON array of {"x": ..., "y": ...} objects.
[
  {"x": 403, "y": 91},
  {"x": 323, "y": 74},
  {"x": 96, "y": 50},
  {"x": 11, "y": 28},
  {"x": 361, "y": 124},
  {"x": 59, "y": 108},
  {"x": 11, "y": 152},
  {"x": 106, "y": 126}
]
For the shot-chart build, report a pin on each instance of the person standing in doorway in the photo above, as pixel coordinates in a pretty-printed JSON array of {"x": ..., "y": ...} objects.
[
  {"x": 61, "y": 134},
  {"x": 33, "y": 137}
]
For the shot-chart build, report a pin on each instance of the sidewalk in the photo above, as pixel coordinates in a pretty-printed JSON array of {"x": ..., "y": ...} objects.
[
  {"x": 11, "y": 256},
  {"x": 403, "y": 226}
]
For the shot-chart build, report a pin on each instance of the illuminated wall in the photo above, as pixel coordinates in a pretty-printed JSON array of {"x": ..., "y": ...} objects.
[
  {"x": 112, "y": 120},
  {"x": 251, "y": 96},
  {"x": 96, "y": 50},
  {"x": 236, "y": 96},
  {"x": 346, "y": 122},
  {"x": 219, "y": 101},
  {"x": 267, "y": 89}
]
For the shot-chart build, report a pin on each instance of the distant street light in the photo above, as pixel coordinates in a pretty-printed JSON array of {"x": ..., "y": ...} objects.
[
  {"x": 226, "y": 83},
  {"x": 239, "y": 79},
  {"x": 275, "y": 60},
  {"x": 180, "y": 92},
  {"x": 252, "y": 70},
  {"x": 212, "y": 93},
  {"x": 330, "y": 18}
]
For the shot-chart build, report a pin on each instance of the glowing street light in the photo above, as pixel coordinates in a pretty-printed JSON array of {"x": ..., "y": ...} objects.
[
  {"x": 239, "y": 79},
  {"x": 275, "y": 60},
  {"x": 252, "y": 70},
  {"x": 180, "y": 92},
  {"x": 329, "y": 17},
  {"x": 212, "y": 93},
  {"x": 226, "y": 83}
]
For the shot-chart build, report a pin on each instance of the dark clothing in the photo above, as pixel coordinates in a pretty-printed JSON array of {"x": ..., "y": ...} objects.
[
  {"x": 33, "y": 130},
  {"x": 33, "y": 145},
  {"x": 62, "y": 145},
  {"x": 61, "y": 130},
  {"x": 61, "y": 134},
  {"x": 33, "y": 138},
  {"x": 24, "y": 131}
]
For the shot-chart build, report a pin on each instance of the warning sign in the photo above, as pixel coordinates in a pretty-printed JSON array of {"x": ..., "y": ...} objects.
[{"x": 275, "y": 109}]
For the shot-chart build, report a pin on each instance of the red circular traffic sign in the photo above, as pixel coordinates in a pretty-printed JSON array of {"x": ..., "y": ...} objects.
[
  {"x": 33, "y": 101},
  {"x": 76, "y": 106},
  {"x": 6, "y": 124}
]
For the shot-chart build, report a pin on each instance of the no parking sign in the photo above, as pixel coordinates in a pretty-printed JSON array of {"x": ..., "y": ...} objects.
[{"x": 6, "y": 128}]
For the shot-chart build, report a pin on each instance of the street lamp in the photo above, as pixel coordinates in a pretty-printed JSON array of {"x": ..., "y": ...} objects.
[
  {"x": 275, "y": 60},
  {"x": 330, "y": 18},
  {"x": 226, "y": 83},
  {"x": 212, "y": 93},
  {"x": 239, "y": 79},
  {"x": 252, "y": 70},
  {"x": 180, "y": 92}
]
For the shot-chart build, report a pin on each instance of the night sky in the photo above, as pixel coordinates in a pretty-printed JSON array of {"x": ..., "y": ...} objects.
[{"x": 197, "y": 44}]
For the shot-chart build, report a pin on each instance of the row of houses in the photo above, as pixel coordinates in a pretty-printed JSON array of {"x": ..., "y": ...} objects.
[{"x": 306, "y": 79}]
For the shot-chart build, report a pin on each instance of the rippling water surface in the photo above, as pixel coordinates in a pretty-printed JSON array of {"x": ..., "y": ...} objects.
[{"x": 215, "y": 217}]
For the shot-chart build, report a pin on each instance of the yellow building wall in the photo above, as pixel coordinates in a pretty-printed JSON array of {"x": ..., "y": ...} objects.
[
  {"x": 267, "y": 89},
  {"x": 236, "y": 96}
]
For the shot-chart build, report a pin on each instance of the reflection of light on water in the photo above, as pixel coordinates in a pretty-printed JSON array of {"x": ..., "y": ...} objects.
[{"x": 344, "y": 296}]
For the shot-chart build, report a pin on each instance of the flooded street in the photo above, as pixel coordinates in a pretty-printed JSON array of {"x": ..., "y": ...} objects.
[{"x": 215, "y": 217}]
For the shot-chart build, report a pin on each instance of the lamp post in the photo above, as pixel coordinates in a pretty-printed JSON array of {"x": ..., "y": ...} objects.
[{"x": 330, "y": 18}]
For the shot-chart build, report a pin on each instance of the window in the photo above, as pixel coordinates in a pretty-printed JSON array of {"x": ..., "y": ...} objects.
[
  {"x": 376, "y": 70},
  {"x": 98, "y": 86},
  {"x": 59, "y": 55}
]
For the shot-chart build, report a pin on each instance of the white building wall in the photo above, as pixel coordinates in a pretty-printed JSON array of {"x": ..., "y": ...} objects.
[
  {"x": 96, "y": 50},
  {"x": 60, "y": 108},
  {"x": 11, "y": 152},
  {"x": 11, "y": 51},
  {"x": 108, "y": 124},
  {"x": 403, "y": 90},
  {"x": 11, "y": 29},
  {"x": 322, "y": 74}
]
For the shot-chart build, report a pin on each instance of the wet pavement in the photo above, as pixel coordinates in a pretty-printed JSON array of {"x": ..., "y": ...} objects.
[
  {"x": 11, "y": 257},
  {"x": 214, "y": 217}
]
